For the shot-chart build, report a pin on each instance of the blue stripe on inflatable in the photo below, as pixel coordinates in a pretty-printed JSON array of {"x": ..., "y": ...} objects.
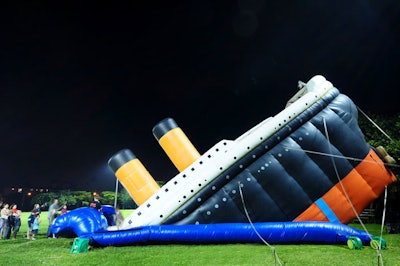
[{"x": 326, "y": 210}]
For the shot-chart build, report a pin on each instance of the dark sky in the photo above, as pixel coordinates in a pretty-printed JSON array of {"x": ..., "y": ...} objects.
[{"x": 79, "y": 82}]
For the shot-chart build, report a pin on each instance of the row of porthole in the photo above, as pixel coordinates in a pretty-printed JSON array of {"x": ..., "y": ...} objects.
[
  {"x": 176, "y": 182},
  {"x": 192, "y": 169},
  {"x": 224, "y": 199}
]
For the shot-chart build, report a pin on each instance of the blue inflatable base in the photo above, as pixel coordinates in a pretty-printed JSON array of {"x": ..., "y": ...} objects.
[
  {"x": 273, "y": 233},
  {"x": 89, "y": 223}
]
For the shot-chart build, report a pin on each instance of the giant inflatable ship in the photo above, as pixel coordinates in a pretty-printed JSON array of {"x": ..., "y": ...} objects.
[{"x": 308, "y": 163}]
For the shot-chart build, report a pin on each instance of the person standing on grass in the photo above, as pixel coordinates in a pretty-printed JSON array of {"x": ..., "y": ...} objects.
[
  {"x": 5, "y": 212},
  {"x": 17, "y": 224},
  {"x": 51, "y": 216},
  {"x": 35, "y": 226},
  {"x": 31, "y": 218},
  {"x": 2, "y": 220}
]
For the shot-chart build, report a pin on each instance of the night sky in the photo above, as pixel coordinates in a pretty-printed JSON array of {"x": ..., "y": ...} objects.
[{"x": 79, "y": 82}]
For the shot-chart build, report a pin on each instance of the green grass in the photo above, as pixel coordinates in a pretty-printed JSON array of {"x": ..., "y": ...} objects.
[{"x": 45, "y": 251}]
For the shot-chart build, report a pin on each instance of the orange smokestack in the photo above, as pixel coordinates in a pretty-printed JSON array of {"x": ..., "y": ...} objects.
[
  {"x": 133, "y": 176},
  {"x": 175, "y": 143}
]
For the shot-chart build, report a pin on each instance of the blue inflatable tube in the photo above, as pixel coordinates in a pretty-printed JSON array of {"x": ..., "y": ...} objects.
[
  {"x": 89, "y": 223},
  {"x": 274, "y": 232}
]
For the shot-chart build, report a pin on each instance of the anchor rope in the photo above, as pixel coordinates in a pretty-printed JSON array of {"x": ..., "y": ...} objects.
[
  {"x": 378, "y": 250},
  {"x": 340, "y": 156},
  {"x": 273, "y": 249},
  {"x": 375, "y": 124}
]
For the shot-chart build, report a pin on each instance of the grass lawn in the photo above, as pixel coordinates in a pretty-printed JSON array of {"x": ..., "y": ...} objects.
[{"x": 43, "y": 251}]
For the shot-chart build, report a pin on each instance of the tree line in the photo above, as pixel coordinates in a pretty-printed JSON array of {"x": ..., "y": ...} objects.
[{"x": 76, "y": 199}]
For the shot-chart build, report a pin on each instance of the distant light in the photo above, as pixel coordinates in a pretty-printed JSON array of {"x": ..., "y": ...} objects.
[
  {"x": 29, "y": 193},
  {"x": 19, "y": 190}
]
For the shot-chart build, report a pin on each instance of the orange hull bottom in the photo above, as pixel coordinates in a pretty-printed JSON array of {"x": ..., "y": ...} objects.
[{"x": 362, "y": 185}]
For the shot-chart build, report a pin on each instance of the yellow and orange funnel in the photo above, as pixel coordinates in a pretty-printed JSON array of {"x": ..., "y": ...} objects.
[
  {"x": 133, "y": 176},
  {"x": 175, "y": 143}
]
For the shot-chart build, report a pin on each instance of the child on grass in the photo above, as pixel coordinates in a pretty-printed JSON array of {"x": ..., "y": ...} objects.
[{"x": 35, "y": 226}]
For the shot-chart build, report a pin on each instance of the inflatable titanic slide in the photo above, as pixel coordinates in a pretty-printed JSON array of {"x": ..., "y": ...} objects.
[{"x": 308, "y": 163}]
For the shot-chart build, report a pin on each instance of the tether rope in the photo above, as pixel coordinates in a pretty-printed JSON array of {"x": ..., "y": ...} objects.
[
  {"x": 376, "y": 125},
  {"x": 378, "y": 250},
  {"x": 276, "y": 257},
  {"x": 380, "y": 261},
  {"x": 340, "y": 156}
]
